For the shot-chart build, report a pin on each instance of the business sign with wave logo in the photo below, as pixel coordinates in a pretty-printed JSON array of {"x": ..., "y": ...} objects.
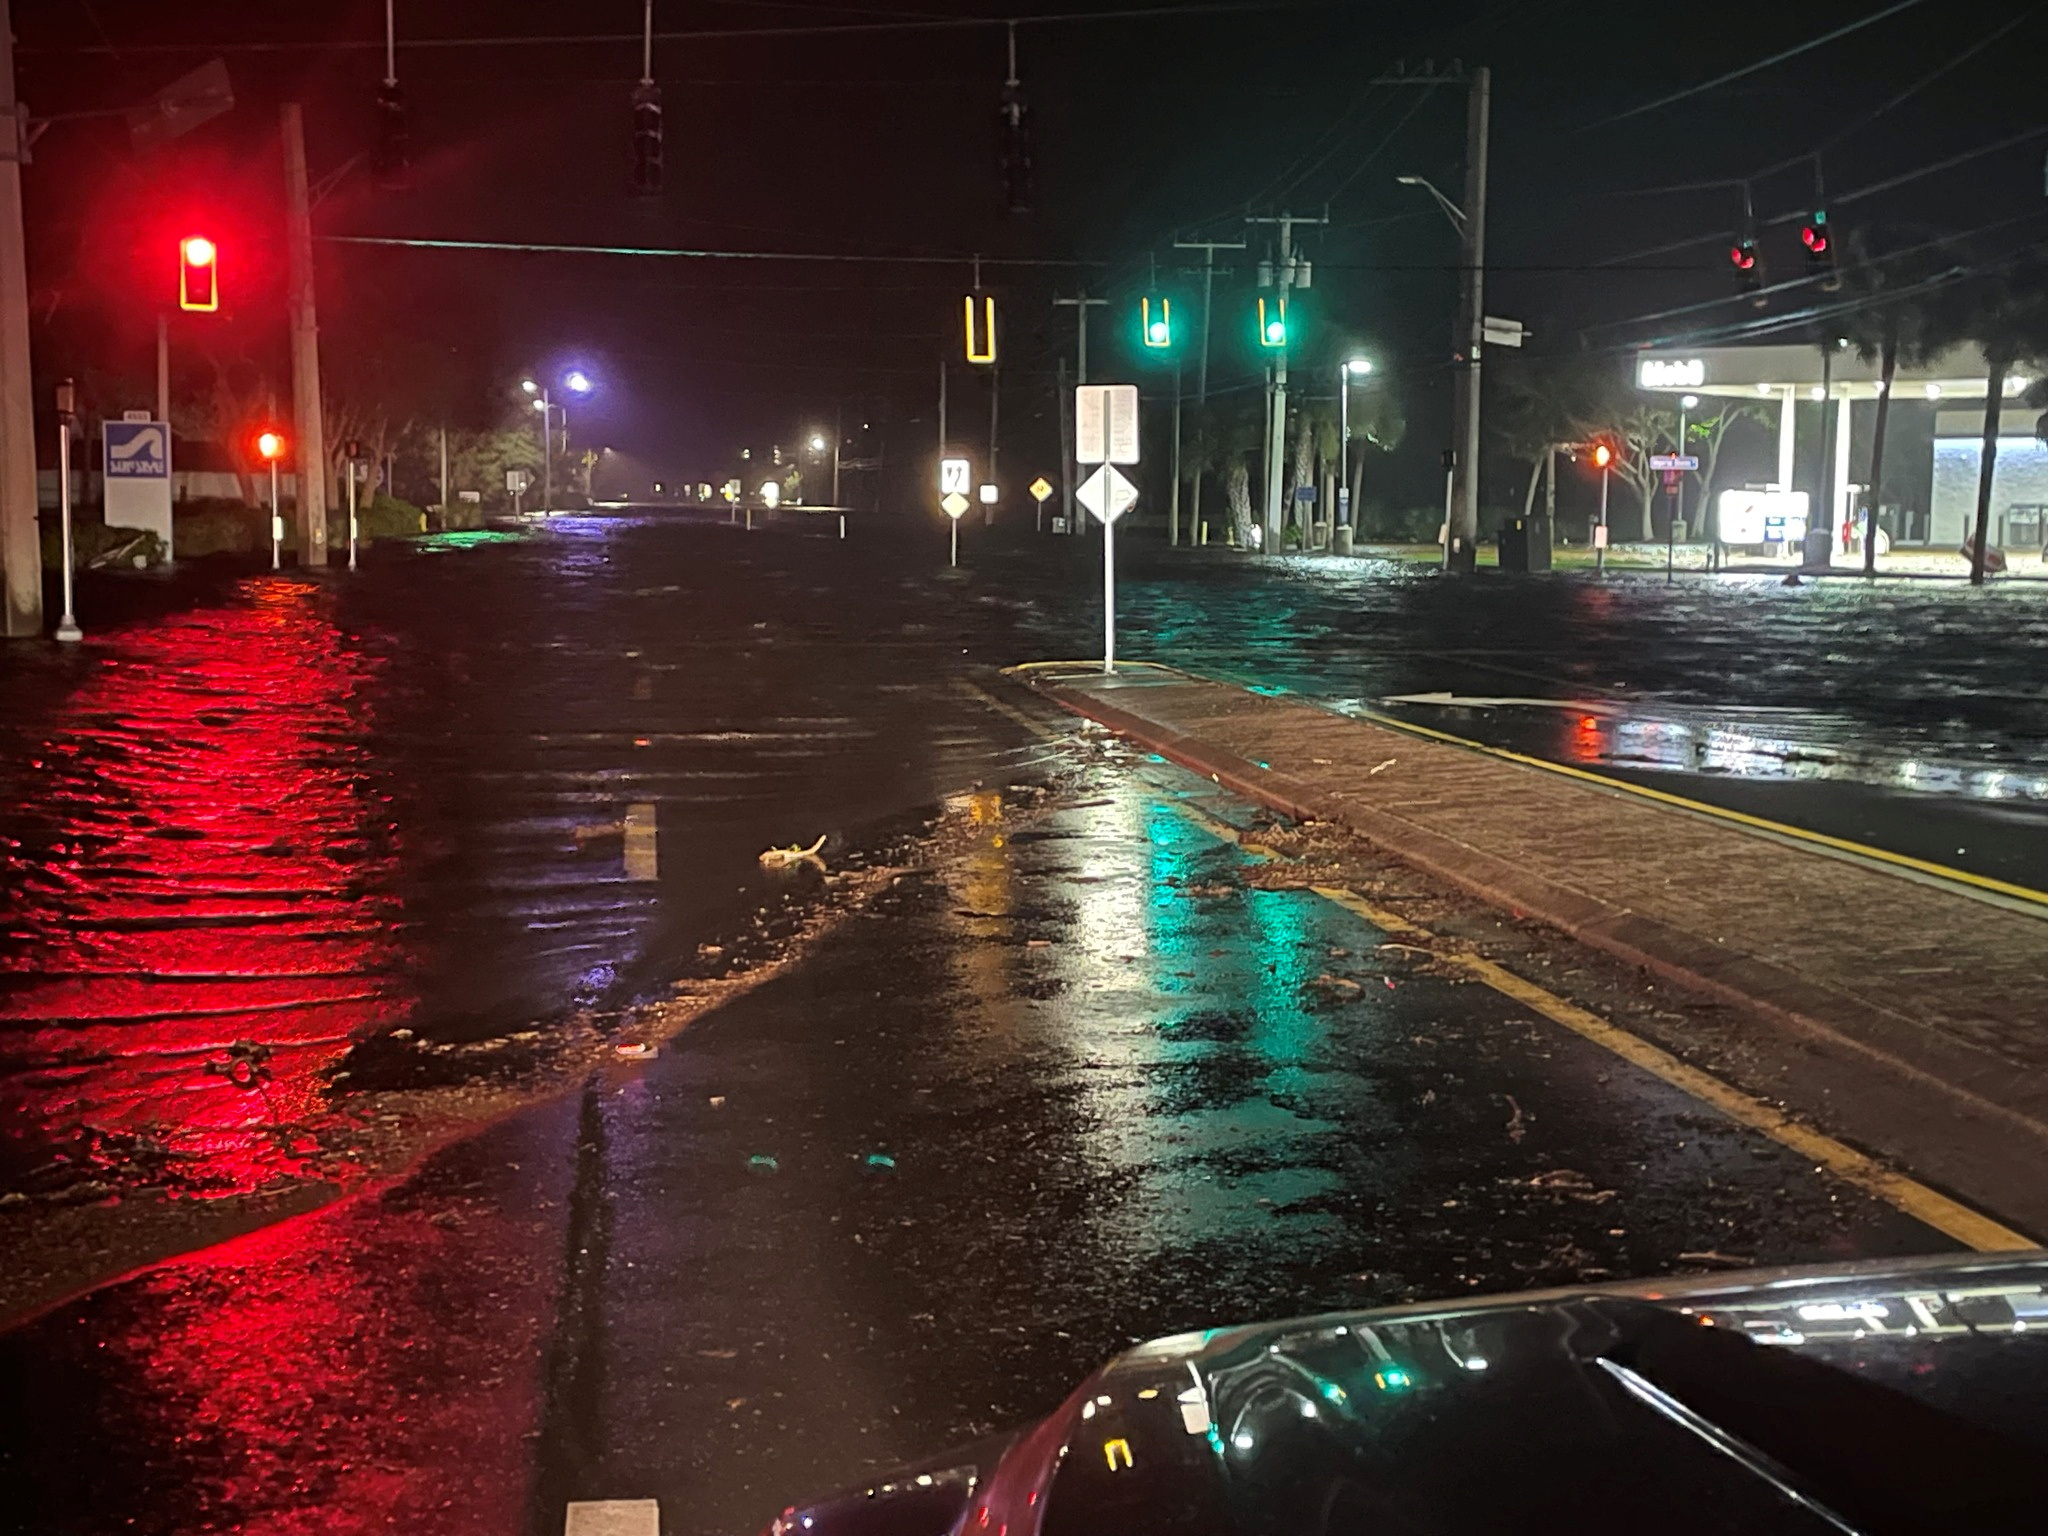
[
  {"x": 137, "y": 461},
  {"x": 138, "y": 450}
]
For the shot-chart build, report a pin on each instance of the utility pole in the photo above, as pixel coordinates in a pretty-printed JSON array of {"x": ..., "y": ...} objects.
[
  {"x": 942, "y": 407},
  {"x": 21, "y": 552},
  {"x": 1289, "y": 272},
  {"x": 1208, "y": 248},
  {"x": 1461, "y": 551},
  {"x": 1468, "y": 334},
  {"x": 1080, "y": 304},
  {"x": 312, "y": 441}
]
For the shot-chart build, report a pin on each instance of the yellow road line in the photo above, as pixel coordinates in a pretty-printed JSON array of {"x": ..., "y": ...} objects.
[
  {"x": 1950, "y": 1217},
  {"x": 1720, "y": 813},
  {"x": 1929, "y": 1207}
]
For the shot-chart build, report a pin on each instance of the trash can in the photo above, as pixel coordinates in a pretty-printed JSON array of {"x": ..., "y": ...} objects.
[{"x": 1524, "y": 544}]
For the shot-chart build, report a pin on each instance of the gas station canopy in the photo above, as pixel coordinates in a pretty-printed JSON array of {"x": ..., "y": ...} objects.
[{"x": 1773, "y": 372}]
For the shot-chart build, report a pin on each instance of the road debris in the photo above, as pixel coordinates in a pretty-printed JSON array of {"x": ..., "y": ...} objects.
[{"x": 784, "y": 858}]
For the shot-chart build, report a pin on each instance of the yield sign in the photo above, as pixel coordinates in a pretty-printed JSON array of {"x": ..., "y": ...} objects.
[{"x": 1107, "y": 494}]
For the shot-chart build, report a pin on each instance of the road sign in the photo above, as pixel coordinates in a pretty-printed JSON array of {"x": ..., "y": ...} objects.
[
  {"x": 1496, "y": 332},
  {"x": 956, "y": 477},
  {"x": 1106, "y": 424},
  {"x": 516, "y": 481},
  {"x": 1041, "y": 488},
  {"x": 1673, "y": 461},
  {"x": 1304, "y": 493},
  {"x": 954, "y": 503},
  {"x": 1107, "y": 494},
  {"x": 137, "y": 462},
  {"x": 989, "y": 495}
]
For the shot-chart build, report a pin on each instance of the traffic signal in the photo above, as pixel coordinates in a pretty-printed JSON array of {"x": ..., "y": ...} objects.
[
  {"x": 1742, "y": 256},
  {"x": 646, "y": 139},
  {"x": 270, "y": 444},
  {"x": 198, "y": 273},
  {"x": 1155, "y": 321},
  {"x": 1273, "y": 321},
  {"x": 981, "y": 328},
  {"x": 394, "y": 140},
  {"x": 1820, "y": 249},
  {"x": 1603, "y": 455}
]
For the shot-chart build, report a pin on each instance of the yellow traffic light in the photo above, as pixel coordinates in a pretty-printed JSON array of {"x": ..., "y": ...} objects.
[{"x": 981, "y": 343}]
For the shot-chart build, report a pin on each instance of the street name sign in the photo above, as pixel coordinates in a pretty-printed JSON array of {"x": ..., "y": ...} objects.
[
  {"x": 1106, "y": 424},
  {"x": 137, "y": 466},
  {"x": 1674, "y": 461}
]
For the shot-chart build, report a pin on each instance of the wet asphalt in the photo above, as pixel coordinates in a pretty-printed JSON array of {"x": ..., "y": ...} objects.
[{"x": 1082, "y": 1080}]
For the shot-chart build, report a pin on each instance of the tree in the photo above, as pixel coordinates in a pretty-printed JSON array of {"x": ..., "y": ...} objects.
[
  {"x": 1644, "y": 429},
  {"x": 1224, "y": 437},
  {"x": 1552, "y": 403},
  {"x": 1379, "y": 419},
  {"x": 1908, "y": 319},
  {"x": 2006, "y": 315}
]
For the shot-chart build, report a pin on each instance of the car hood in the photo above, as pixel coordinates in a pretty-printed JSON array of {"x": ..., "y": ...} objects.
[{"x": 1884, "y": 1397}]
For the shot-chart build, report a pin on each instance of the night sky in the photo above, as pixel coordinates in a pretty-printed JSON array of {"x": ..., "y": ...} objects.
[{"x": 885, "y": 144}]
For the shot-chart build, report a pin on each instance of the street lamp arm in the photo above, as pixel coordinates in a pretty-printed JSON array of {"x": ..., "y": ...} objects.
[{"x": 1451, "y": 210}]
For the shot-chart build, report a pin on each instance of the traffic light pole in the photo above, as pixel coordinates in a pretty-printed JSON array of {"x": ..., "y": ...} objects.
[
  {"x": 1276, "y": 409},
  {"x": 1208, "y": 248},
  {"x": 1081, "y": 305},
  {"x": 21, "y": 553},
  {"x": 312, "y": 442}
]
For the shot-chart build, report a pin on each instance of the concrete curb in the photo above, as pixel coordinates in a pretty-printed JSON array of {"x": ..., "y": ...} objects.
[{"x": 1979, "y": 1084}]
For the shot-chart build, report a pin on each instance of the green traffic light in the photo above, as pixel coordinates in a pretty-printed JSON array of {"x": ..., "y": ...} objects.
[
  {"x": 1156, "y": 329},
  {"x": 1272, "y": 322}
]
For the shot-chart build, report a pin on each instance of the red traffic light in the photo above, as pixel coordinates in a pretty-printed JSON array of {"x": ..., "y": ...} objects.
[
  {"x": 1602, "y": 455},
  {"x": 270, "y": 444},
  {"x": 198, "y": 273},
  {"x": 1742, "y": 255},
  {"x": 1816, "y": 239}
]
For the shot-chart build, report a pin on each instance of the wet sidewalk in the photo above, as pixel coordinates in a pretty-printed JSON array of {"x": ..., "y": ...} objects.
[{"x": 1924, "y": 984}]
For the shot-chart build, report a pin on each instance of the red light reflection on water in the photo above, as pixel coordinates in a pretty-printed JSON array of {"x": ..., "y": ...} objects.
[{"x": 202, "y": 864}]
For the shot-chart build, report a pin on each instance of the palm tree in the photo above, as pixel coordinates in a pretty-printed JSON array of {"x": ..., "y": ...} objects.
[
  {"x": 1909, "y": 320},
  {"x": 2008, "y": 317},
  {"x": 1224, "y": 438}
]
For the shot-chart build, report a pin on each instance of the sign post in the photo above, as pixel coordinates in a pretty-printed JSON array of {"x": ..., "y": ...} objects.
[
  {"x": 1106, "y": 435},
  {"x": 136, "y": 465},
  {"x": 1040, "y": 489},
  {"x": 956, "y": 479}
]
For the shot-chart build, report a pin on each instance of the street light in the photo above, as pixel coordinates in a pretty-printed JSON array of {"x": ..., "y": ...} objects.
[
  {"x": 1353, "y": 368},
  {"x": 819, "y": 442},
  {"x": 577, "y": 382},
  {"x": 270, "y": 444}
]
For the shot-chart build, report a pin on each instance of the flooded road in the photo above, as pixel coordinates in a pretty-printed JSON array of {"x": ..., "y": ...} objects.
[
  {"x": 490, "y": 785},
  {"x": 1086, "y": 1079},
  {"x": 279, "y": 848},
  {"x": 1909, "y": 716},
  {"x": 502, "y": 785}
]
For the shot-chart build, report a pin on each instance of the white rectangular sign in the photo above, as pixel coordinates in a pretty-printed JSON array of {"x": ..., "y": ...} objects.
[
  {"x": 956, "y": 477},
  {"x": 1762, "y": 517},
  {"x": 1106, "y": 424},
  {"x": 137, "y": 465}
]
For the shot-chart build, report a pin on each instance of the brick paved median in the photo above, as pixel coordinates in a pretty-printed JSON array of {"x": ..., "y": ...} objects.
[{"x": 1940, "y": 989}]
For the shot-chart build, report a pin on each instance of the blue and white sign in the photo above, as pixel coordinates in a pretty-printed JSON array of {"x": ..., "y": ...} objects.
[{"x": 137, "y": 468}]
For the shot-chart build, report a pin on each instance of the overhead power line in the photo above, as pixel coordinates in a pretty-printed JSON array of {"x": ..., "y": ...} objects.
[
  {"x": 702, "y": 34},
  {"x": 1750, "y": 69},
  {"x": 1842, "y": 135},
  {"x": 1835, "y": 199}
]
